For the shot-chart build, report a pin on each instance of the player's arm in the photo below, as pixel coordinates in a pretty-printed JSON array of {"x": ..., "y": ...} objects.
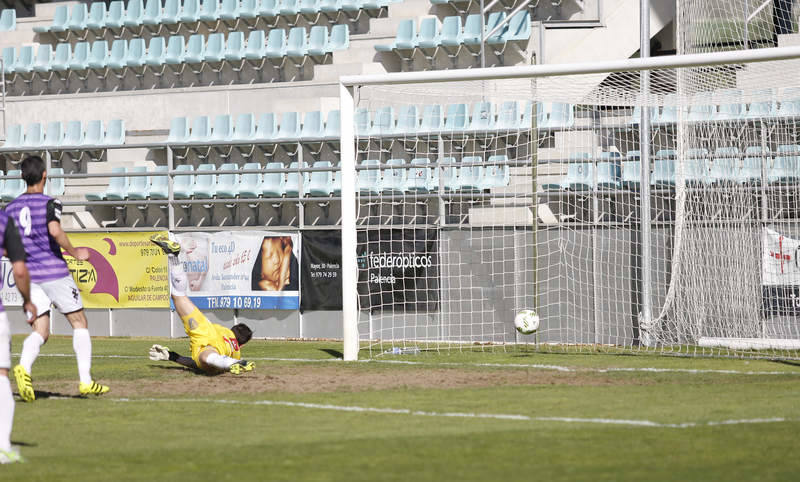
[
  {"x": 54, "y": 228},
  {"x": 16, "y": 253},
  {"x": 162, "y": 353}
]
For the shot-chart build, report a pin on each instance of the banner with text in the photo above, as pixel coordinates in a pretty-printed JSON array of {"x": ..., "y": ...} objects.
[
  {"x": 124, "y": 270},
  {"x": 255, "y": 270},
  {"x": 9, "y": 294},
  {"x": 398, "y": 269},
  {"x": 780, "y": 274},
  {"x": 322, "y": 271}
]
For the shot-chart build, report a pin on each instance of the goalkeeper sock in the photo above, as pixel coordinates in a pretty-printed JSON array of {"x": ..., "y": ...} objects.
[
  {"x": 30, "y": 350},
  {"x": 177, "y": 276},
  {"x": 82, "y": 344},
  {"x": 220, "y": 362},
  {"x": 6, "y": 413}
]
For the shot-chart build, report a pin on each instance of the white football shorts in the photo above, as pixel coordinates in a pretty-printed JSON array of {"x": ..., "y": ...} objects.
[{"x": 63, "y": 293}]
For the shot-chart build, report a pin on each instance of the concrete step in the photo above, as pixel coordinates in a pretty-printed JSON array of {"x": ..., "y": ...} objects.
[{"x": 332, "y": 72}]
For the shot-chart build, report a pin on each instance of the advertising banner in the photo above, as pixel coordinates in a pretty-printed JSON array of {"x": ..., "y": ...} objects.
[
  {"x": 322, "y": 271},
  {"x": 9, "y": 293},
  {"x": 124, "y": 270},
  {"x": 398, "y": 269},
  {"x": 255, "y": 270},
  {"x": 780, "y": 274}
]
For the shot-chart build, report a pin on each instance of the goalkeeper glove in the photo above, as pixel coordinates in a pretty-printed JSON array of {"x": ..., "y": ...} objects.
[
  {"x": 242, "y": 366},
  {"x": 159, "y": 353}
]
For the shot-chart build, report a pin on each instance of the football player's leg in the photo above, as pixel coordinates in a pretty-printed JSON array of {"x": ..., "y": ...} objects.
[
  {"x": 82, "y": 345},
  {"x": 33, "y": 343},
  {"x": 6, "y": 398},
  {"x": 212, "y": 360}
]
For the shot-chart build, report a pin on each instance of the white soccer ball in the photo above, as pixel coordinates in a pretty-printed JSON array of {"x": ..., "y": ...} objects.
[{"x": 526, "y": 322}]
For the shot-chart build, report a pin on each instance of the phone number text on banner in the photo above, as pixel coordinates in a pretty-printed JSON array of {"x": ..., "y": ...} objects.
[
  {"x": 257, "y": 270},
  {"x": 124, "y": 270}
]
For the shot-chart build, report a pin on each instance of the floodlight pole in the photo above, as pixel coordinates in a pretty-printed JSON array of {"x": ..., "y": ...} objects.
[{"x": 644, "y": 158}]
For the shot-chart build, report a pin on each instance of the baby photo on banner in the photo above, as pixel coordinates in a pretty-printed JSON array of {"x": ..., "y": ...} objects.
[{"x": 256, "y": 270}]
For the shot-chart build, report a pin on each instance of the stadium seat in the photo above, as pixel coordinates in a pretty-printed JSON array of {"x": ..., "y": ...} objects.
[
  {"x": 318, "y": 41},
  {"x": 383, "y": 122},
  {"x": 228, "y": 183},
  {"x": 223, "y": 129},
  {"x": 14, "y": 185},
  {"x": 179, "y": 130},
  {"x": 580, "y": 176},
  {"x": 470, "y": 176},
  {"x": 750, "y": 172},
  {"x": 98, "y": 58},
  {"x": 195, "y": 51},
  {"x": 171, "y": 13},
  {"x": 245, "y": 128},
  {"x": 321, "y": 182},
  {"x": 669, "y": 110},
  {"x": 118, "y": 57},
  {"x": 449, "y": 177},
  {"x": 215, "y": 48},
  {"x": 209, "y": 12},
  {"x": 508, "y": 117},
  {"x": 276, "y": 46},
  {"x": 297, "y": 183},
  {"x": 763, "y": 104},
  {"x": 289, "y": 129},
  {"x": 274, "y": 183},
  {"x": 405, "y": 39},
  {"x": 790, "y": 105},
  {"x": 205, "y": 184},
  {"x": 61, "y": 58},
  {"x": 267, "y": 128},
  {"x": 94, "y": 134},
  {"x": 235, "y": 47},
  {"x": 339, "y": 38},
  {"x": 313, "y": 127},
  {"x": 159, "y": 185},
  {"x": 115, "y": 133},
  {"x": 636, "y": 116},
  {"x": 139, "y": 186},
  {"x": 73, "y": 135},
  {"x": 250, "y": 183},
  {"x": 96, "y": 21},
  {"x": 428, "y": 37},
  {"x": 59, "y": 23},
  {"x": 420, "y": 179},
  {"x": 663, "y": 173},
  {"x": 786, "y": 166},
  {"x": 24, "y": 62},
  {"x": 190, "y": 12},
  {"x": 117, "y": 189},
  {"x": 560, "y": 116},
  {"x": 182, "y": 184},
  {"x": 15, "y": 136},
  {"x": 394, "y": 179},
  {"x": 431, "y": 120},
  {"x": 34, "y": 136},
  {"x": 78, "y": 17},
  {"x": 54, "y": 134},
  {"x": 9, "y": 59},
  {"x": 369, "y": 180},
  {"x": 134, "y": 14},
  {"x": 456, "y": 118},
  {"x": 8, "y": 20},
  {"x": 175, "y": 53},
  {"x": 696, "y": 168},
  {"x": 631, "y": 175},
  {"x": 701, "y": 108},
  {"x": 407, "y": 121},
  {"x": 229, "y": 12},
  {"x": 115, "y": 17},
  {"x": 496, "y": 173},
  {"x": 482, "y": 117},
  {"x": 493, "y": 20},
  {"x": 55, "y": 185},
  {"x": 608, "y": 175},
  {"x": 201, "y": 130},
  {"x": 730, "y": 103},
  {"x": 725, "y": 167},
  {"x": 44, "y": 57},
  {"x": 151, "y": 16}
]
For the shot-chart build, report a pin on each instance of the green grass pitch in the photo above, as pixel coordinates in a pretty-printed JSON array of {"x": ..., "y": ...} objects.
[{"x": 504, "y": 415}]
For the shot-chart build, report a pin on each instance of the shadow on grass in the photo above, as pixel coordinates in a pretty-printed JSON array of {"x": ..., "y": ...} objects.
[
  {"x": 791, "y": 363},
  {"x": 184, "y": 369},
  {"x": 41, "y": 395},
  {"x": 23, "y": 444},
  {"x": 333, "y": 353}
]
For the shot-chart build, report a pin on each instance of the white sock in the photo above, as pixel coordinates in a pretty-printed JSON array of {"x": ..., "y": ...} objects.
[
  {"x": 30, "y": 350},
  {"x": 82, "y": 344},
  {"x": 177, "y": 276},
  {"x": 221, "y": 362},
  {"x": 6, "y": 413}
]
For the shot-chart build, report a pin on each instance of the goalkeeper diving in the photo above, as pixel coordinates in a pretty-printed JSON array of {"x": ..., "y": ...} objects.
[{"x": 215, "y": 348}]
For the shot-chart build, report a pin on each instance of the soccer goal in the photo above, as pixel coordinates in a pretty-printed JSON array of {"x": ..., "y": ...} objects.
[{"x": 643, "y": 204}]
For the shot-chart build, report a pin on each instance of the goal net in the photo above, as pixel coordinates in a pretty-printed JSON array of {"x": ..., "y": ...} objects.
[{"x": 478, "y": 199}]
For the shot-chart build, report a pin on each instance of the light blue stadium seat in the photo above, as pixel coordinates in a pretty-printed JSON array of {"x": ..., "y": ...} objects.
[
  {"x": 78, "y": 16},
  {"x": 9, "y": 59},
  {"x": 268, "y": 8},
  {"x": 249, "y": 9},
  {"x": 223, "y": 129},
  {"x": 98, "y": 56},
  {"x": 701, "y": 109},
  {"x": 395, "y": 180},
  {"x": 405, "y": 39},
  {"x": 337, "y": 180},
  {"x": 59, "y": 23},
  {"x": 330, "y": 6},
  {"x": 289, "y": 129},
  {"x": 508, "y": 118},
  {"x": 313, "y": 127},
  {"x": 151, "y": 15},
  {"x": 450, "y": 180},
  {"x": 696, "y": 168},
  {"x": 297, "y": 43},
  {"x": 750, "y": 173},
  {"x": 456, "y": 118},
  {"x": 14, "y": 185},
  {"x": 73, "y": 135},
  {"x": 383, "y": 122},
  {"x": 201, "y": 129},
  {"x": 235, "y": 47},
  {"x": 139, "y": 186},
  {"x": 136, "y": 53},
  {"x": 497, "y": 173},
  {"x": 428, "y": 35},
  {"x": 228, "y": 183},
  {"x": 669, "y": 110},
  {"x": 54, "y": 134},
  {"x": 482, "y": 117},
  {"x": 274, "y": 183},
  {"x": 159, "y": 185},
  {"x": 288, "y": 8},
  {"x": 267, "y": 128},
  {"x": 117, "y": 188},
  {"x": 256, "y": 45},
  {"x": 250, "y": 183},
  {"x": 369, "y": 181},
  {"x": 34, "y": 135},
  {"x": 182, "y": 185},
  {"x": 470, "y": 176},
  {"x": 25, "y": 60},
  {"x": 321, "y": 182},
  {"x": 8, "y": 20},
  {"x": 15, "y": 136},
  {"x": 762, "y": 105},
  {"x": 94, "y": 135},
  {"x": 608, "y": 175},
  {"x": 450, "y": 36},
  {"x": 190, "y": 13},
  {"x": 61, "y": 57},
  {"x": 517, "y": 29},
  {"x": 118, "y": 57},
  {"x": 362, "y": 121},
  {"x": 431, "y": 119},
  {"x": 580, "y": 176},
  {"x": 156, "y": 52},
  {"x": 44, "y": 57},
  {"x": 55, "y": 185},
  {"x": 276, "y": 44},
  {"x": 215, "y": 48},
  {"x": 725, "y": 167},
  {"x": 339, "y": 38},
  {"x": 134, "y": 14},
  {"x": 245, "y": 128},
  {"x": 407, "y": 121},
  {"x": 176, "y": 50},
  {"x": 493, "y": 20},
  {"x": 115, "y": 133},
  {"x": 96, "y": 21},
  {"x": 172, "y": 12},
  {"x": 333, "y": 125},
  {"x": 229, "y": 10},
  {"x": 786, "y": 166},
  {"x": 205, "y": 184},
  {"x": 790, "y": 105},
  {"x": 179, "y": 130},
  {"x": 209, "y": 11},
  {"x": 318, "y": 41},
  {"x": 195, "y": 49},
  {"x": 309, "y": 9},
  {"x": 561, "y": 116},
  {"x": 421, "y": 178},
  {"x": 631, "y": 174},
  {"x": 115, "y": 17},
  {"x": 636, "y": 116},
  {"x": 472, "y": 35},
  {"x": 669, "y": 154},
  {"x": 731, "y": 106}
]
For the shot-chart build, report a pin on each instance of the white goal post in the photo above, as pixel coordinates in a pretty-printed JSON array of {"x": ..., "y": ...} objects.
[{"x": 606, "y": 109}]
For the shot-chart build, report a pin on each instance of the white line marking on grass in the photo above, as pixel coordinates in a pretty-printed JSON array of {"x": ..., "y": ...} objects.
[{"x": 494, "y": 416}]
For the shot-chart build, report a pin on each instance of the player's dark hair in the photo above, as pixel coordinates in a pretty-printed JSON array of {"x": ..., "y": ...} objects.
[
  {"x": 243, "y": 333},
  {"x": 32, "y": 169}
]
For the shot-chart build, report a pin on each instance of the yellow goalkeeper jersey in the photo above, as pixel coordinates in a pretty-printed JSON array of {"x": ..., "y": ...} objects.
[{"x": 202, "y": 333}]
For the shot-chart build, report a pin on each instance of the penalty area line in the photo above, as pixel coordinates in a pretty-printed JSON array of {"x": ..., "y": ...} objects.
[{"x": 468, "y": 415}]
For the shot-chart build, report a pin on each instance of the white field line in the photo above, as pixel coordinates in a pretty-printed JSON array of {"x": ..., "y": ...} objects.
[
  {"x": 536, "y": 366},
  {"x": 493, "y": 416}
]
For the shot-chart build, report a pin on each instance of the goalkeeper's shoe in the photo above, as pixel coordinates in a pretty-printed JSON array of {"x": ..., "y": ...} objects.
[
  {"x": 11, "y": 456},
  {"x": 92, "y": 388},
  {"x": 169, "y": 246},
  {"x": 242, "y": 366},
  {"x": 24, "y": 384}
]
